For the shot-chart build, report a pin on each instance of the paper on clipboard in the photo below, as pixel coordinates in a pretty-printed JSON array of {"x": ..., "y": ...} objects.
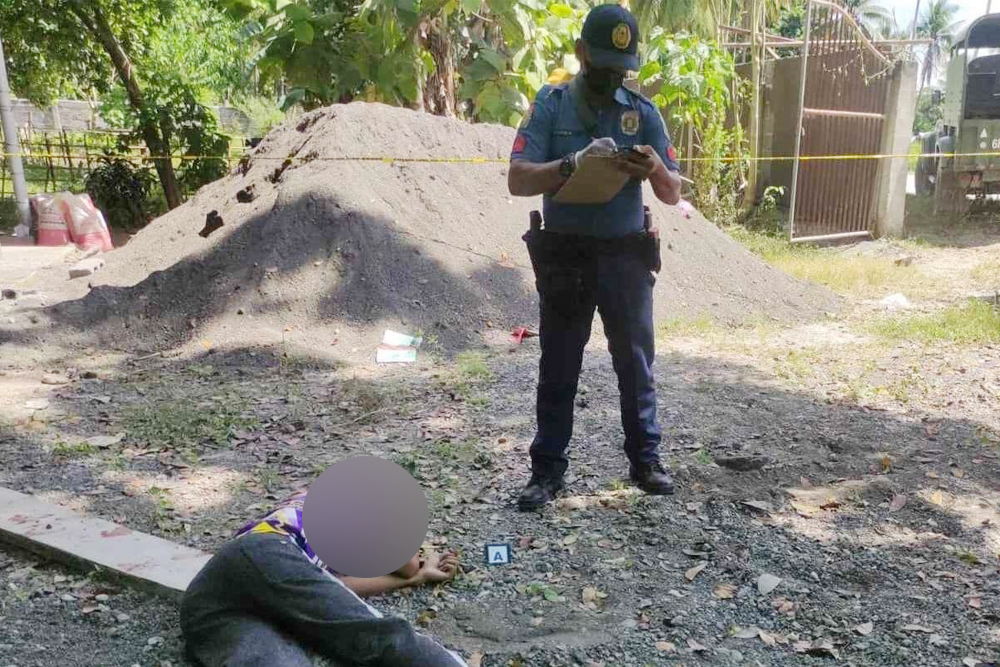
[{"x": 595, "y": 181}]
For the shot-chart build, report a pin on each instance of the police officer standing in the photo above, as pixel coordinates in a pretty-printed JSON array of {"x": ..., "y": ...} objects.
[{"x": 590, "y": 255}]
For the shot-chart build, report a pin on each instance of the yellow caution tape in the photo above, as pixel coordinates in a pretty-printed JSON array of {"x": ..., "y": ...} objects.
[{"x": 484, "y": 160}]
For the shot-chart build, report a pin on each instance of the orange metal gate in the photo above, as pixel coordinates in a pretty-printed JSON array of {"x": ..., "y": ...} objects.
[{"x": 843, "y": 95}]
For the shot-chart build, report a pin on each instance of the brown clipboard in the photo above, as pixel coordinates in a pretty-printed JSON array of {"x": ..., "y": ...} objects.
[{"x": 595, "y": 181}]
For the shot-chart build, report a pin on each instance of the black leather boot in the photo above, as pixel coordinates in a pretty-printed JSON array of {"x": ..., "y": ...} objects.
[
  {"x": 652, "y": 478},
  {"x": 540, "y": 491}
]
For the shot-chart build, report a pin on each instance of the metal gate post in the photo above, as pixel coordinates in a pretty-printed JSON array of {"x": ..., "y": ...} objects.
[{"x": 798, "y": 127}]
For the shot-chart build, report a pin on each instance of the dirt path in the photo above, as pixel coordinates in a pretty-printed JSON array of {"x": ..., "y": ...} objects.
[{"x": 861, "y": 471}]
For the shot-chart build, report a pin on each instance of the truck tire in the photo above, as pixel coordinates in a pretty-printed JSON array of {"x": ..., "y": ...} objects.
[
  {"x": 926, "y": 171},
  {"x": 924, "y": 184}
]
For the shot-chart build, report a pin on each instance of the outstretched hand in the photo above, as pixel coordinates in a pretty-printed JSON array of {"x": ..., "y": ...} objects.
[{"x": 439, "y": 568}]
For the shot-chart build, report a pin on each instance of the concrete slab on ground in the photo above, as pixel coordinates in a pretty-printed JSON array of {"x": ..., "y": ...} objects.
[
  {"x": 149, "y": 562},
  {"x": 19, "y": 262}
]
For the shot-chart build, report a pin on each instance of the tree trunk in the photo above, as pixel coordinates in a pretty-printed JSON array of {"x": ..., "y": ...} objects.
[
  {"x": 439, "y": 91},
  {"x": 97, "y": 24},
  {"x": 756, "y": 60}
]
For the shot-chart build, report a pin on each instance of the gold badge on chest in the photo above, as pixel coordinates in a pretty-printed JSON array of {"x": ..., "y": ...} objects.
[{"x": 630, "y": 123}]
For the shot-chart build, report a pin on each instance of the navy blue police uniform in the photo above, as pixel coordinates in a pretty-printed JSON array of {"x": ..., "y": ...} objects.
[{"x": 590, "y": 262}]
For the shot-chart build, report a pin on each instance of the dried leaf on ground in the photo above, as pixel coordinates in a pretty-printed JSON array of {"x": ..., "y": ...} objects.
[
  {"x": 770, "y": 640},
  {"x": 426, "y": 616},
  {"x": 916, "y": 628},
  {"x": 865, "y": 629},
  {"x": 666, "y": 647},
  {"x": 759, "y": 505},
  {"x": 749, "y": 633},
  {"x": 897, "y": 503},
  {"x": 570, "y": 539},
  {"x": 725, "y": 591},
  {"x": 824, "y": 648},
  {"x": 572, "y": 503},
  {"x": 937, "y": 497},
  {"x": 695, "y": 646},
  {"x": 475, "y": 660},
  {"x": 767, "y": 583},
  {"x": 976, "y": 602},
  {"x": 784, "y": 606},
  {"x": 694, "y": 571},
  {"x": 105, "y": 441},
  {"x": 958, "y": 472},
  {"x": 694, "y": 553}
]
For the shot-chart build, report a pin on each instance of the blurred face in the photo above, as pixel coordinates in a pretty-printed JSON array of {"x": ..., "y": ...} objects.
[{"x": 602, "y": 81}]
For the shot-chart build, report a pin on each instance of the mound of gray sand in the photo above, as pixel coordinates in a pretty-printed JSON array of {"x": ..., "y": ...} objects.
[{"x": 328, "y": 252}]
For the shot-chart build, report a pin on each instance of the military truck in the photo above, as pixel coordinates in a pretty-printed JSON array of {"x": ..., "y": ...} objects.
[{"x": 970, "y": 124}]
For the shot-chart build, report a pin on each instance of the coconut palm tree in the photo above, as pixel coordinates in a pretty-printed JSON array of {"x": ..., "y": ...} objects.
[
  {"x": 938, "y": 24},
  {"x": 699, "y": 16},
  {"x": 871, "y": 15}
]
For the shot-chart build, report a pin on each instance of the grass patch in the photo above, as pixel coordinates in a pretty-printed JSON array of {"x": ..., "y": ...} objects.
[
  {"x": 687, "y": 326},
  {"x": 68, "y": 449},
  {"x": 473, "y": 367},
  {"x": 988, "y": 272},
  {"x": 850, "y": 275},
  {"x": 472, "y": 372},
  {"x": 973, "y": 322},
  {"x": 797, "y": 365},
  {"x": 703, "y": 457},
  {"x": 181, "y": 423}
]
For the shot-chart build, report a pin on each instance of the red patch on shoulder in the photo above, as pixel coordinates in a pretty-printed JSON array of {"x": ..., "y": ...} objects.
[
  {"x": 672, "y": 153},
  {"x": 520, "y": 143}
]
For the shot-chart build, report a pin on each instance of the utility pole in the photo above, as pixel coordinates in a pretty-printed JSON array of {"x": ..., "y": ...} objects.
[
  {"x": 13, "y": 147},
  {"x": 916, "y": 19}
]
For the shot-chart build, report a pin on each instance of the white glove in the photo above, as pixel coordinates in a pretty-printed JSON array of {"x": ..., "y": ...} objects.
[{"x": 602, "y": 146}]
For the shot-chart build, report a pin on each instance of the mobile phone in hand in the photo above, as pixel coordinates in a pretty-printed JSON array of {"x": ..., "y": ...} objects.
[{"x": 631, "y": 153}]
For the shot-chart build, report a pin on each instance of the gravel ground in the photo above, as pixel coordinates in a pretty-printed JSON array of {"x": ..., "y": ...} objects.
[
  {"x": 855, "y": 539},
  {"x": 837, "y": 493}
]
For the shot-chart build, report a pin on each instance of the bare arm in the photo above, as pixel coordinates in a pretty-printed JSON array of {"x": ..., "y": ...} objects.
[
  {"x": 435, "y": 570},
  {"x": 410, "y": 569},
  {"x": 666, "y": 184},
  {"x": 368, "y": 586},
  {"x": 528, "y": 179}
]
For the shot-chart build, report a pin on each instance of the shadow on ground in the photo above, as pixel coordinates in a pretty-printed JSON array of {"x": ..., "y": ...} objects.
[{"x": 212, "y": 441}]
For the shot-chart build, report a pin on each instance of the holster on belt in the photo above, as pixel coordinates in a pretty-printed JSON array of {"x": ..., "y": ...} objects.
[
  {"x": 533, "y": 239},
  {"x": 650, "y": 242}
]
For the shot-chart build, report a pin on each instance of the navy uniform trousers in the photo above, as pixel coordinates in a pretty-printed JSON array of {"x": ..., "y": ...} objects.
[{"x": 574, "y": 276}]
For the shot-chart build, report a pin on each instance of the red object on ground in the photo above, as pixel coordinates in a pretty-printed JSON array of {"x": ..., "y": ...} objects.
[
  {"x": 521, "y": 333},
  {"x": 52, "y": 228}
]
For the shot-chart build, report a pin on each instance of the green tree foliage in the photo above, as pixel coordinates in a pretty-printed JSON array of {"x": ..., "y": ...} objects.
[
  {"x": 449, "y": 57},
  {"x": 938, "y": 25},
  {"x": 154, "y": 63},
  {"x": 698, "y": 85},
  {"x": 871, "y": 15},
  {"x": 930, "y": 111}
]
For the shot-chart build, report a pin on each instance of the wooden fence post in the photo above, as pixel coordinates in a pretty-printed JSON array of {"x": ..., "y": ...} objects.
[{"x": 49, "y": 163}]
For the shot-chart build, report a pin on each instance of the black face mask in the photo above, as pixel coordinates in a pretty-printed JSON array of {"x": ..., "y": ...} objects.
[{"x": 602, "y": 81}]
